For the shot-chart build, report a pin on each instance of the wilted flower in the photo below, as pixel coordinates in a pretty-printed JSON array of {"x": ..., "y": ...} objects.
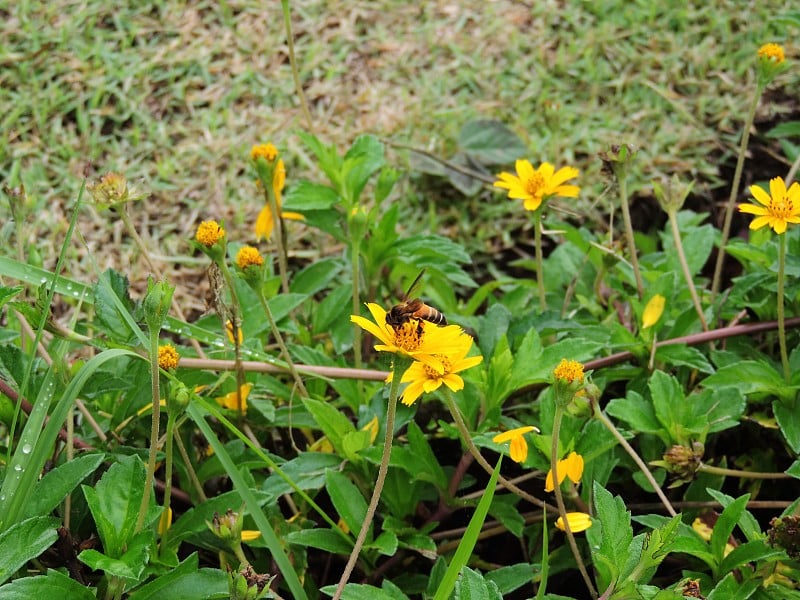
[
  {"x": 518, "y": 447},
  {"x": 653, "y": 311},
  {"x": 571, "y": 466},
  {"x": 578, "y": 521}
]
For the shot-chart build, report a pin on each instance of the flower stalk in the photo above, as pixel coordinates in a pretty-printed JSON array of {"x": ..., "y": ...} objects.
[
  {"x": 398, "y": 367},
  {"x": 787, "y": 373}
]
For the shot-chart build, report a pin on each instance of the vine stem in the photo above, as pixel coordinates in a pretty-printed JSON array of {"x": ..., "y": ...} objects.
[
  {"x": 741, "y": 474},
  {"x": 562, "y": 510},
  {"x": 397, "y": 372}
]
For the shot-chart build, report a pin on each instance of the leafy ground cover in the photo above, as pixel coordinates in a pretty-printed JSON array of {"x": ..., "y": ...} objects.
[{"x": 194, "y": 392}]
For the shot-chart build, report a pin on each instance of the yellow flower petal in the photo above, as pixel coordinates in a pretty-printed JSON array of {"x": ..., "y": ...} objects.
[
  {"x": 519, "y": 449},
  {"x": 653, "y": 311},
  {"x": 509, "y": 435},
  {"x": 577, "y": 521},
  {"x": 776, "y": 209},
  {"x": 573, "y": 466}
]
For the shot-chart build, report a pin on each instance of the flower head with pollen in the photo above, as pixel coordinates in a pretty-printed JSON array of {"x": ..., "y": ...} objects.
[
  {"x": 209, "y": 233},
  {"x": 577, "y": 521},
  {"x": 776, "y": 209},
  {"x": 422, "y": 378},
  {"x": 518, "y": 447},
  {"x": 266, "y": 151},
  {"x": 571, "y": 467},
  {"x": 569, "y": 371},
  {"x": 537, "y": 185},
  {"x": 418, "y": 340},
  {"x": 167, "y": 357},
  {"x": 248, "y": 257},
  {"x": 772, "y": 52}
]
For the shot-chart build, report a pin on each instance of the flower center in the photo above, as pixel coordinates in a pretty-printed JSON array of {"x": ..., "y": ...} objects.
[
  {"x": 781, "y": 207},
  {"x": 534, "y": 185},
  {"x": 408, "y": 336},
  {"x": 446, "y": 365}
]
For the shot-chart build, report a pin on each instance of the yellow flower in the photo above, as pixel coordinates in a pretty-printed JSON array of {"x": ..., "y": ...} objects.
[
  {"x": 167, "y": 357},
  {"x": 265, "y": 222},
  {"x": 653, "y": 311},
  {"x": 266, "y": 151},
  {"x": 536, "y": 185},
  {"x": 571, "y": 467},
  {"x": 779, "y": 207},
  {"x": 248, "y": 256},
  {"x": 518, "y": 447},
  {"x": 578, "y": 522},
  {"x": 229, "y": 331},
  {"x": 416, "y": 339},
  {"x": 248, "y": 535},
  {"x": 772, "y": 52},
  {"x": 165, "y": 522},
  {"x": 569, "y": 371},
  {"x": 231, "y": 401},
  {"x": 422, "y": 378},
  {"x": 209, "y": 233}
]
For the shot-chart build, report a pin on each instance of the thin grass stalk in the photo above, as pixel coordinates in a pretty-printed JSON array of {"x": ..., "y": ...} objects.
[
  {"x": 626, "y": 218},
  {"x": 737, "y": 177},
  {"x": 397, "y": 372},
  {"x": 287, "y": 22},
  {"x": 154, "y": 426},
  {"x": 787, "y": 374},
  {"x": 537, "y": 237},
  {"x": 687, "y": 275}
]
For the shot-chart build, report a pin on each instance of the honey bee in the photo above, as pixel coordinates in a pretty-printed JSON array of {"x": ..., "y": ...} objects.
[{"x": 414, "y": 308}]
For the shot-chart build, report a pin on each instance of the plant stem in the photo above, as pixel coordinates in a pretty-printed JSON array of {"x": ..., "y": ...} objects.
[
  {"x": 600, "y": 416},
  {"x": 277, "y": 230},
  {"x": 282, "y": 345},
  {"x": 687, "y": 275},
  {"x": 154, "y": 424},
  {"x": 236, "y": 322},
  {"x": 397, "y": 372},
  {"x": 787, "y": 374},
  {"x": 741, "y": 474},
  {"x": 562, "y": 510},
  {"x": 168, "y": 462},
  {"x": 355, "y": 260},
  {"x": 465, "y": 435},
  {"x": 198, "y": 487},
  {"x": 537, "y": 237},
  {"x": 737, "y": 176},
  {"x": 626, "y": 217}
]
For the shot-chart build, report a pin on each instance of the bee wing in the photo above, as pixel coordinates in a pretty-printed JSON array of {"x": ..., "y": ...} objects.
[{"x": 414, "y": 287}]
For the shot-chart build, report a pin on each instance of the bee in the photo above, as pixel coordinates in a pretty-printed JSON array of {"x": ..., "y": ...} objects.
[{"x": 414, "y": 308}]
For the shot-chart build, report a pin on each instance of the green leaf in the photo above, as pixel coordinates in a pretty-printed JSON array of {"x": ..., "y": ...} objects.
[
  {"x": 51, "y": 489},
  {"x": 185, "y": 582},
  {"x": 684, "y": 356},
  {"x": 491, "y": 142},
  {"x": 305, "y": 195},
  {"x": 751, "y": 377},
  {"x": 794, "y": 469},
  {"x": 364, "y": 158},
  {"x": 331, "y": 421},
  {"x": 470, "y": 537},
  {"x": 7, "y": 293},
  {"x": 386, "y": 543},
  {"x": 504, "y": 510},
  {"x": 23, "y": 541},
  {"x": 323, "y": 539},
  {"x": 730, "y": 587},
  {"x": 670, "y": 405},
  {"x": 512, "y": 577},
  {"x": 472, "y": 586},
  {"x": 611, "y": 533},
  {"x": 637, "y": 412},
  {"x": 307, "y": 470},
  {"x": 111, "y": 297},
  {"x": 347, "y": 499},
  {"x": 746, "y": 553},
  {"x": 52, "y": 585},
  {"x": 724, "y": 527},
  {"x": 114, "y": 503},
  {"x": 418, "y": 459},
  {"x": 130, "y": 565},
  {"x": 362, "y": 591},
  {"x": 747, "y": 522},
  {"x": 788, "y": 418}
]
